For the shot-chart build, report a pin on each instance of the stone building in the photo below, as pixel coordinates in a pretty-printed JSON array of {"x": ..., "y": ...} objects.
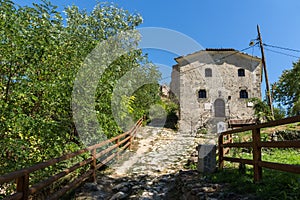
[
  {"x": 213, "y": 87},
  {"x": 164, "y": 91}
]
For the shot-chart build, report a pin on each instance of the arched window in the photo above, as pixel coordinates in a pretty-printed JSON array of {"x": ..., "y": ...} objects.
[
  {"x": 241, "y": 72},
  {"x": 202, "y": 94},
  {"x": 208, "y": 72},
  {"x": 243, "y": 94}
]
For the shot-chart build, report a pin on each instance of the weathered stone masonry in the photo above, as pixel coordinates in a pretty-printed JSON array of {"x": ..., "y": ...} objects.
[{"x": 214, "y": 85}]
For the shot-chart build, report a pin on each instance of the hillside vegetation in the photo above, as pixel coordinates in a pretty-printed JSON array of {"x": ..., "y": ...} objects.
[{"x": 41, "y": 53}]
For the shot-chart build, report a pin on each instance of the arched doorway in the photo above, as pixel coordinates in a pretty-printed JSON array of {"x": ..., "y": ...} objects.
[{"x": 219, "y": 108}]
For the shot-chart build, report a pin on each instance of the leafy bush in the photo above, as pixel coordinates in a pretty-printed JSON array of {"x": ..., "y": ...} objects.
[{"x": 41, "y": 54}]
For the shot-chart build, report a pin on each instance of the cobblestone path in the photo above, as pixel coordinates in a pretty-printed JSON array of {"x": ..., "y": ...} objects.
[{"x": 148, "y": 172}]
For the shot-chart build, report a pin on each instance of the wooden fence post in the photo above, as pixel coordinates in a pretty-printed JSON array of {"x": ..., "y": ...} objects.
[
  {"x": 23, "y": 185},
  {"x": 134, "y": 133},
  {"x": 93, "y": 166},
  {"x": 221, "y": 152},
  {"x": 256, "y": 154},
  {"x": 118, "y": 143},
  {"x": 130, "y": 142}
]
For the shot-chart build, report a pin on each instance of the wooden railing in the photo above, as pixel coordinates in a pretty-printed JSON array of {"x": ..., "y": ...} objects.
[
  {"x": 24, "y": 189},
  {"x": 256, "y": 144}
]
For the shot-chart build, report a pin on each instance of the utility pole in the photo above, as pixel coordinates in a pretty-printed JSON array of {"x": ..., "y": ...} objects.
[{"x": 265, "y": 71}]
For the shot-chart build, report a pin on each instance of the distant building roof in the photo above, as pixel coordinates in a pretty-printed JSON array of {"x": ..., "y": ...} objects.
[
  {"x": 219, "y": 49},
  {"x": 216, "y": 50}
]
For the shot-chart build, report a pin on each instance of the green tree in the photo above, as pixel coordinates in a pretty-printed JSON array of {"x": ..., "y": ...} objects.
[
  {"x": 41, "y": 54},
  {"x": 262, "y": 110},
  {"x": 287, "y": 90}
]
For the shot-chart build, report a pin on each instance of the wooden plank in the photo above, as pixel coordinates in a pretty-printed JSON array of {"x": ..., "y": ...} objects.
[
  {"x": 284, "y": 121},
  {"x": 138, "y": 123},
  {"x": 123, "y": 148},
  {"x": 15, "y": 196},
  {"x": 106, "y": 160},
  {"x": 70, "y": 186},
  {"x": 93, "y": 166},
  {"x": 281, "y": 144},
  {"x": 221, "y": 152},
  {"x": 124, "y": 140},
  {"x": 103, "y": 152},
  {"x": 54, "y": 178},
  {"x": 239, "y": 160},
  {"x": 101, "y": 144},
  {"x": 23, "y": 186},
  {"x": 256, "y": 155},
  {"x": 22, "y": 175},
  {"x": 11, "y": 176},
  {"x": 14, "y": 175},
  {"x": 282, "y": 167},
  {"x": 242, "y": 144}
]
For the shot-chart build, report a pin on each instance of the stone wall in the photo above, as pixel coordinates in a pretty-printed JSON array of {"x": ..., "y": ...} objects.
[{"x": 225, "y": 85}]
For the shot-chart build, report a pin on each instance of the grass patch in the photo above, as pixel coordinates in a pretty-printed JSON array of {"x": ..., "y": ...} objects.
[
  {"x": 286, "y": 156},
  {"x": 275, "y": 184},
  {"x": 278, "y": 155}
]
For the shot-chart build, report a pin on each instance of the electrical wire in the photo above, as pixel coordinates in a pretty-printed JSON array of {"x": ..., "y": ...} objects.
[
  {"x": 286, "y": 54},
  {"x": 267, "y": 45},
  {"x": 283, "y": 48},
  {"x": 219, "y": 60}
]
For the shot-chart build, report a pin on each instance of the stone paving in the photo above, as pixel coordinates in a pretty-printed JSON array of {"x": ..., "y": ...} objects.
[
  {"x": 154, "y": 171},
  {"x": 160, "y": 151}
]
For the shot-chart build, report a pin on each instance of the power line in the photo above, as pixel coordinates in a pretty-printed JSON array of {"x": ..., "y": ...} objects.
[
  {"x": 218, "y": 60},
  {"x": 268, "y": 45},
  {"x": 286, "y": 54},
  {"x": 283, "y": 48}
]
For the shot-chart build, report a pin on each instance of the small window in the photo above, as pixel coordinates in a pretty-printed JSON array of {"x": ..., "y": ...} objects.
[
  {"x": 241, "y": 72},
  {"x": 202, "y": 94},
  {"x": 208, "y": 72},
  {"x": 243, "y": 94}
]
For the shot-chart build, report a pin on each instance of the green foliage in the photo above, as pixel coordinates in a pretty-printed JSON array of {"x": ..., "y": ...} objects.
[
  {"x": 148, "y": 93},
  {"x": 41, "y": 54},
  {"x": 191, "y": 166},
  {"x": 263, "y": 113},
  {"x": 287, "y": 90},
  {"x": 171, "y": 110},
  {"x": 288, "y": 135},
  {"x": 35, "y": 120},
  {"x": 279, "y": 113},
  {"x": 275, "y": 184},
  {"x": 202, "y": 131},
  {"x": 286, "y": 156}
]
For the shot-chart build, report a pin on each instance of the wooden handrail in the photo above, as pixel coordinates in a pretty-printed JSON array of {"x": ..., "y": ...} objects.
[
  {"x": 22, "y": 176},
  {"x": 256, "y": 144},
  {"x": 279, "y": 122}
]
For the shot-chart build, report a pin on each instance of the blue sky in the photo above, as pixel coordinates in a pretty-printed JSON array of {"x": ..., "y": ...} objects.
[{"x": 218, "y": 24}]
